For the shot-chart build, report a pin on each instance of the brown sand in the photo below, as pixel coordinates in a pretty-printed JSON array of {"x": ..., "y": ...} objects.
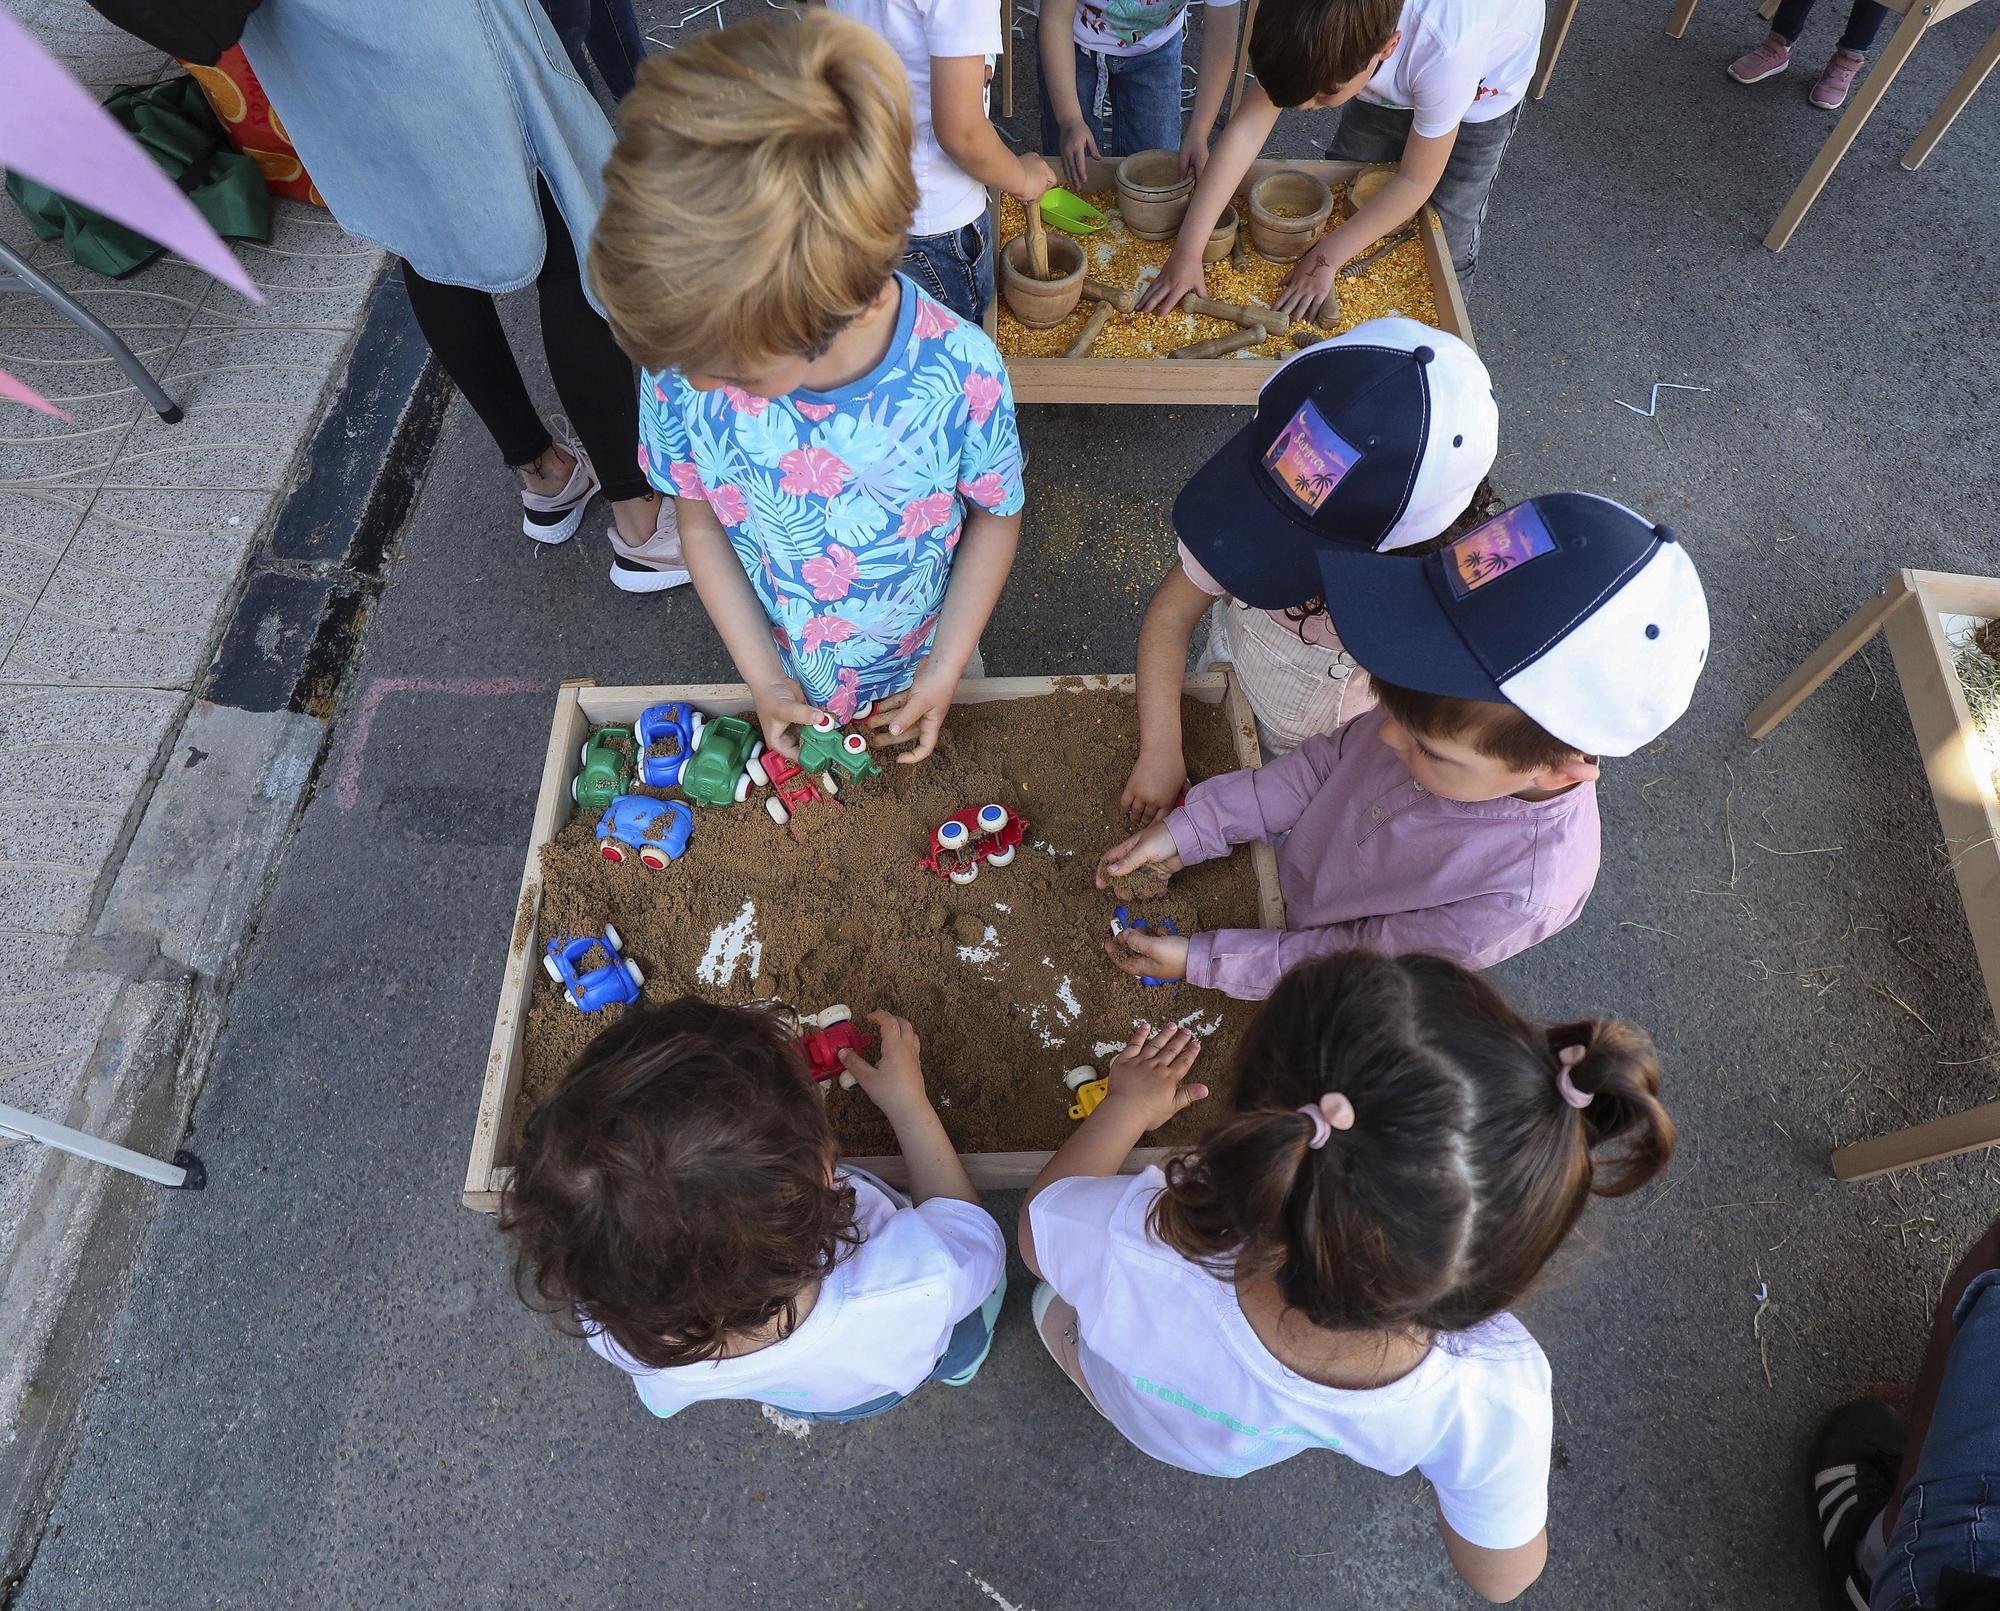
[{"x": 1004, "y": 978}]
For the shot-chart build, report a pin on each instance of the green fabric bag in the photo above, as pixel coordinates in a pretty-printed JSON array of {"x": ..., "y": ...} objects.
[{"x": 176, "y": 125}]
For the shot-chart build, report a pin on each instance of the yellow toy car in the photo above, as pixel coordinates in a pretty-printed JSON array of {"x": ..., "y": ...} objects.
[{"x": 1088, "y": 1088}]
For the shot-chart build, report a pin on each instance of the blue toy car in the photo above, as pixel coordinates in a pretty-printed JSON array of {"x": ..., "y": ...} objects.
[
  {"x": 679, "y": 726},
  {"x": 1121, "y": 921},
  {"x": 617, "y": 981},
  {"x": 656, "y": 831}
]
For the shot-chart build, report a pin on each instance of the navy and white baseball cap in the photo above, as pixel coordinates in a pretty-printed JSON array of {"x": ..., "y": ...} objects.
[
  {"x": 1374, "y": 440},
  {"x": 1569, "y": 607}
]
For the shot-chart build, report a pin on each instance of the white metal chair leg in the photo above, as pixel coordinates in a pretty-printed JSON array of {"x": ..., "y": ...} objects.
[{"x": 185, "y": 1172}]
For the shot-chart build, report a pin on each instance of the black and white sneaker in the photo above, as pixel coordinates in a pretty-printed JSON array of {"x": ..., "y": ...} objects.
[
  {"x": 554, "y": 517},
  {"x": 1851, "y": 1471}
]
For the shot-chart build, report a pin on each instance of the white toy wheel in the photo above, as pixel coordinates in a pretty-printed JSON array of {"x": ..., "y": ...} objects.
[
  {"x": 826, "y": 782},
  {"x": 824, "y": 723},
  {"x": 574, "y": 784},
  {"x": 863, "y": 711},
  {"x": 570, "y": 997},
  {"x": 854, "y": 744},
  {"x": 610, "y": 850},
  {"x": 1077, "y": 1078},
  {"x": 583, "y": 755},
  {"x": 838, "y": 1013},
  {"x": 638, "y": 978},
  {"x": 549, "y": 965},
  {"x": 965, "y": 874},
  {"x": 1000, "y": 858},
  {"x": 760, "y": 774},
  {"x": 992, "y": 818},
  {"x": 613, "y": 938},
  {"x": 953, "y": 835},
  {"x": 654, "y": 857},
  {"x": 756, "y": 748},
  {"x": 696, "y": 721},
  {"x": 742, "y": 790},
  {"x": 774, "y": 808},
  {"x": 847, "y": 1081}
]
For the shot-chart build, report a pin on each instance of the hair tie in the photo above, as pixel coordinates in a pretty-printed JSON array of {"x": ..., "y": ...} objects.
[
  {"x": 1330, "y": 1113},
  {"x": 1567, "y": 1059}
]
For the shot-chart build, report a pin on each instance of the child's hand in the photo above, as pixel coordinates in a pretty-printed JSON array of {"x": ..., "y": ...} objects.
[
  {"x": 896, "y": 1082},
  {"x": 1152, "y": 846},
  {"x": 1179, "y": 275},
  {"x": 781, "y": 706},
  {"x": 1149, "y": 956},
  {"x": 1146, "y": 1078},
  {"x": 1077, "y": 147},
  {"x": 1194, "y": 153},
  {"x": 923, "y": 708},
  {"x": 1035, "y": 177},
  {"x": 1306, "y": 287},
  {"x": 1156, "y": 782}
]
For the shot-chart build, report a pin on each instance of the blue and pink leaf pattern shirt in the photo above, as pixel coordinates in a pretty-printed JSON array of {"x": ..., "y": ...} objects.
[{"x": 845, "y": 506}]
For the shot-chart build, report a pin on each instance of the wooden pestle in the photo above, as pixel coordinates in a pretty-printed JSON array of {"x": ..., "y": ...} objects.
[
  {"x": 1239, "y": 252},
  {"x": 1038, "y": 242},
  {"x": 1110, "y": 295},
  {"x": 1100, "y": 316},
  {"x": 1327, "y": 314},
  {"x": 1268, "y": 320},
  {"x": 1222, "y": 346},
  {"x": 1388, "y": 243}
]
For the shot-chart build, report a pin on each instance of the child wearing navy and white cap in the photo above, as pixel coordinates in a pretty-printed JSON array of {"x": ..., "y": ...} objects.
[
  {"x": 1460, "y": 817},
  {"x": 1406, "y": 429}
]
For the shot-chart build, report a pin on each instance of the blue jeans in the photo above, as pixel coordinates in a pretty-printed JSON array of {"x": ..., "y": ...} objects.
[
  {"x": 1371, "y": 133},
  {"x": 1946, "y": 1524},
  {"x": 970, "y": 1339},
  {"x": 1129, "y": 103},
  {"x": 956, "y": 268}
]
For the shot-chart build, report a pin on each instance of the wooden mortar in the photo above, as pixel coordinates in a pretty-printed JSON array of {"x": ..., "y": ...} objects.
[
  {"x": 1287, "y": 211},
  {"x": 1041, "y": 304},
  {"x": 1153, "y": 194},
  {"x": 1366, "y": 185},
  {"x": 1221, "y": 239}
]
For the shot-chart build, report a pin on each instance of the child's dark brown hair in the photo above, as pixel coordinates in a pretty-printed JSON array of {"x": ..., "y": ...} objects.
[
  {"x": 1465, "y": 1168},
  {"x": 1303, "y": 48},
  {"x": 675, "y": 1190},
  {"x": 1502, "y": 732}
]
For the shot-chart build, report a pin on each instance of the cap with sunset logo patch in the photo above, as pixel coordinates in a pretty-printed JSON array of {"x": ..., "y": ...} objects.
[
  {"x": 1573, "y": 609},
  {"x": 1374, "y": 440}
]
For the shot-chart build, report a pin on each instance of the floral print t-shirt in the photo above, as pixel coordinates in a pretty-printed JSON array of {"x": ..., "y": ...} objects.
[{"x": 845, "y": 506}]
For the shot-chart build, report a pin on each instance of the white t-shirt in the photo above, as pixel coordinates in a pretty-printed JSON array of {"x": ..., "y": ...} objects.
[
  {"x": 1174, "y": 1364},
  {"x": 947, "y": 196},
  {"x": 1131, "y": 27},
  {"x": 884, "y": 1314},
  {"x": 1459, "y": 61}
]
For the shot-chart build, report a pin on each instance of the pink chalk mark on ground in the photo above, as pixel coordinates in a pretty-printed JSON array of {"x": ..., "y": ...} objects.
[{"x": 347, "y": 785}]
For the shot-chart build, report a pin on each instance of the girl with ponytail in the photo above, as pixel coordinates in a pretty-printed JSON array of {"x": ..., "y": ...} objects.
[{"x": 1331, "y": 1266}]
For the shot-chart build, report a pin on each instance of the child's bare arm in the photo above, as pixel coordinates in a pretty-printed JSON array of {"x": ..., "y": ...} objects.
[
  {"x": 1148, "y": 1085},
  {"x": 1249, "y": 127},
  {"x": 740, "y": 620},
  {"x": 1218, "y": 59},
  {"x": 1058, "y": 53},
  {"x": 978, "y": 572},
  {"x": 1161, "y": 771},
  {"x": 1498, "y": 1575},
  {"x": 895, "y": 1084},
  {"x": 1396, "y": 203},
  {"x": 958, "y": 118}
]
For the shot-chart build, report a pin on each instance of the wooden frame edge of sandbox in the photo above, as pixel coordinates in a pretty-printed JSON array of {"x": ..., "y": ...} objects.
[
  {"x": 1226, "y": 381},
  {"x": 582, "y": 705}
]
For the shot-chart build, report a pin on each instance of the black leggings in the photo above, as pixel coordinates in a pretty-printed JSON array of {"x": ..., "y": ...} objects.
[{"x": 592, "y": 376}]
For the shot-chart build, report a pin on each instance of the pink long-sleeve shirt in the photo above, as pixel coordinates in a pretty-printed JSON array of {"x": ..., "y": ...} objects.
[{"x": 1375, "y": 859}]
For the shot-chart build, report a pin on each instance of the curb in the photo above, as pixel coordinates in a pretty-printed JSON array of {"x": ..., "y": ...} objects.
[{"x": 183, "y": 906}]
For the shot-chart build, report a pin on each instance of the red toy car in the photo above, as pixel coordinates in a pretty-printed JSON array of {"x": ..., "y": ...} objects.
[
  {"x": 988, "y": 833},
  {"x": 826, "y": 1035},
  {"x": 792, "y": 790}
]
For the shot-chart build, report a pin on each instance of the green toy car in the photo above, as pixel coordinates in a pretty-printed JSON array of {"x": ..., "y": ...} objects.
[
  {"x": 607, "y": 768},
  {"x": 823, "y": 747},
  {"x": 725, "y": 764}
]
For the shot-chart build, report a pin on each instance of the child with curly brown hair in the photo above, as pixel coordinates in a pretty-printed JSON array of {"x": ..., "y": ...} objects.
[
  {"x": 680, "y": 1201},
  {"x": 1331, "y": 1265}
]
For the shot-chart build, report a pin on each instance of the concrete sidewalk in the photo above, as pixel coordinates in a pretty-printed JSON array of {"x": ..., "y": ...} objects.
[
  {"x": 136, "y": 823},
  {"x": 322, "y": 1389}
]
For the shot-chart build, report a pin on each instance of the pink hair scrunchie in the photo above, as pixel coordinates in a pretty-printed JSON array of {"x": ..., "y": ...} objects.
[
  {"x": 1330, "y": 1113},
  {"x": 1567, "y": 1059}
]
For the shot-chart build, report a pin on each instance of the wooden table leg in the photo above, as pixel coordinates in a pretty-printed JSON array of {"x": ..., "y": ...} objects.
[
  {"x": 1828, "y": 658},
  {"x": 1249, "y": 10},
  {"x": 1879, "y": 78},
  {"x": 1553, "y": 35},
  {"x": 1954, "y": 103},
  {"x": 1007, "y": 58},
  {"x": 1921, "y": 1143},
  {"x": 1678, "y": 22},
  {"x": 1768, "y": 9}
]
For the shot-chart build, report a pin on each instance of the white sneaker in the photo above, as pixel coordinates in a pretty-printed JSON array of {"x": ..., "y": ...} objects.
[
  {"x": 655, "y": 565},
  {"x": 553, "y": 517}
]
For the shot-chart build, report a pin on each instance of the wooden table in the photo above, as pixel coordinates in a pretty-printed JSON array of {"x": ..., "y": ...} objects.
[{"x": 1907, "y": 613}]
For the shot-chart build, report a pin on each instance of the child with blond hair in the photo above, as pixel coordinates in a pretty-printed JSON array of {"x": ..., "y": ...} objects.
[{"x": 842, "y": 449}]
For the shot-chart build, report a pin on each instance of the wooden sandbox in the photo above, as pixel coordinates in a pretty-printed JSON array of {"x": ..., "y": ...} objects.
[
  {"x": 1235, "y": 379},
  {"x": 581, "y": 707}
]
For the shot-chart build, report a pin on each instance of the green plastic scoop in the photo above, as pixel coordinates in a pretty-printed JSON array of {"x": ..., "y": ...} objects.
[{"x": 1067, "y": 210}]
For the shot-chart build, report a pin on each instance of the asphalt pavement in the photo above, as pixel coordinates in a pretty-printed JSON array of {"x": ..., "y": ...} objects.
[{"x": 323, "y": 1391}]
